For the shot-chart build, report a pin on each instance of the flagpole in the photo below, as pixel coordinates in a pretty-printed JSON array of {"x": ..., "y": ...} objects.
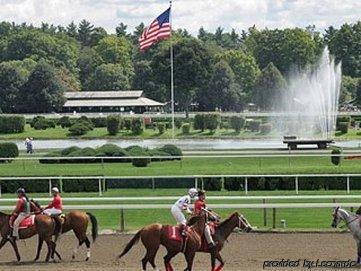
[{"x": 171, "y": 70}]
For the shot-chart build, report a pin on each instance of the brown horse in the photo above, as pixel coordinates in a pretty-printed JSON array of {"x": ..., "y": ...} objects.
[
  {"x": 222, "y": 232},
  {"x": 78, "y": 222},
  {"x": 44, "y": 226},
  {"x": 154, "y": 235}
]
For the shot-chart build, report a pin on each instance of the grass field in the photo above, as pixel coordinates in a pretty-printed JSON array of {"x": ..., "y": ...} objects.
[
  {"x": 186, "y": 166},
  {"x": 60, "y": 133},
  {"x": 296, "y": 219}
]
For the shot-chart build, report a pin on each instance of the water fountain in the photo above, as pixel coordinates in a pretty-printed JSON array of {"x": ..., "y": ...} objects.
[{"x": 310, "y": 103}]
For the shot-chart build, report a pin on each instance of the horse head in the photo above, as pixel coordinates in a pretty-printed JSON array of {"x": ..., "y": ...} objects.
[
  {"x": 242, "y": 222},
  {"x": 336, "y": 217}
]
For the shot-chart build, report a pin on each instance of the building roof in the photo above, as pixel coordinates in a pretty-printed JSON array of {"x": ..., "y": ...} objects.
[
  {"x": 103, "y": 94},
  {"x": 141, "y": 101}
]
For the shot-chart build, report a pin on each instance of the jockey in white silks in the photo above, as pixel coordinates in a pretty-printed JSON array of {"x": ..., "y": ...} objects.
[{"x": 182, "y": 205}]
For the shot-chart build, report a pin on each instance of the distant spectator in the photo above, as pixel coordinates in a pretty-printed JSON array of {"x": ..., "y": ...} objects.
[{"x": 29, "y": 145}]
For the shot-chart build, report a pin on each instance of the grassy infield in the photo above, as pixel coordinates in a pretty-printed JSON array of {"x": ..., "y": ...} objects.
[{"x": 109, "y": 219}]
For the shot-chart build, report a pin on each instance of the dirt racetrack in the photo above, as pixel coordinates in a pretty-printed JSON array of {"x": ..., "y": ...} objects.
[{"x": 243, "y": 252}]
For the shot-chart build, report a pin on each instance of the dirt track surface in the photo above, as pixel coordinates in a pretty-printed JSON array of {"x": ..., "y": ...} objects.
[{"x": 243, "y": 252}]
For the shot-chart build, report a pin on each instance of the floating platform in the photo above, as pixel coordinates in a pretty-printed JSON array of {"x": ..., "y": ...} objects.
[{"x": 292, "y": 142}]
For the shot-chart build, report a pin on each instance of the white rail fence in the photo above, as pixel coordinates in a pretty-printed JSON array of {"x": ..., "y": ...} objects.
[
  {"x": 264, "y": 206},
  {"x": 198, "y": 179}
]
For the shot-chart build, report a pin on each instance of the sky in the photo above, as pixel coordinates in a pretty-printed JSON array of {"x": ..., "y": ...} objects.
[{"x": 188, "y": 14}]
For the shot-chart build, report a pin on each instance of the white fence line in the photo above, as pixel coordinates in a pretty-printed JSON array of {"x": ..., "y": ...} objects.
[{"x": 216, "y": 198}]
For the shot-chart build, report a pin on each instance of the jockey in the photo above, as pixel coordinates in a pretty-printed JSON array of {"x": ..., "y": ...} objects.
[
  {"x": 21, "y": 211},
  {"x": 181, "y": 205},
  {"x": 199, "y": 205},
  {"x": 55, "y": 207}
]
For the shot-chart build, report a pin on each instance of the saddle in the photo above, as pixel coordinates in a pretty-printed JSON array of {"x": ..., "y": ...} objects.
[{"x": 25, "y": 224}]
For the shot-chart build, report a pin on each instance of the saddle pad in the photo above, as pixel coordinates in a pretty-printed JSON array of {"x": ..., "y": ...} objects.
[
  {"x": 173, "y": 233},
  {"x": 26, "y": 223}
]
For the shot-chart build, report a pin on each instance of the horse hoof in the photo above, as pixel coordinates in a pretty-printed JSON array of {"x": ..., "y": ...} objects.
[
  {"x": 87, "y": 259},
  {"x": 72, "y": 257}
]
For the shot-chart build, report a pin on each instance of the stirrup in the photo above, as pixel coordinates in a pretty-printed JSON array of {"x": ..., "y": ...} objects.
[{"x": 184, "y": 233}]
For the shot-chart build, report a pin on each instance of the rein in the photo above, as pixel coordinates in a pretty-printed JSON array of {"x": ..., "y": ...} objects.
[{"x": 347, "y": 223}]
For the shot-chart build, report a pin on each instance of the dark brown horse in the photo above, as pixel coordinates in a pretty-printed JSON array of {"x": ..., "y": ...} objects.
[
  {"x": 222, "y": 232},
  {"x": 154, "y": 235},
  {"x": 44, "y": 226},
  {"x": 78, "y": 222}
]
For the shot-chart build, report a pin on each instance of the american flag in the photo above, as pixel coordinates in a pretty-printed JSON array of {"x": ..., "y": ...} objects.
[{"x": 159, "y": 29}]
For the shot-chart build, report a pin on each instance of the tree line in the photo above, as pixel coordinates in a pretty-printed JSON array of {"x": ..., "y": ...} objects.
[{"x": 224, "y": 70}]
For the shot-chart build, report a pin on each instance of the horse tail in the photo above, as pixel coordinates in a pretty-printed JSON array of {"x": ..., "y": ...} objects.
[
  {"x": 131, "y": 243},
  {"x": 58, "y": 227},
  {"x": 94, "y": 222}
]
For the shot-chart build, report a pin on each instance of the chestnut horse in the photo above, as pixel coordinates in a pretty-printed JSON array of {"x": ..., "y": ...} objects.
[
  {"x": 222, "y": 232},
  {"x": 44, "y": 226},
  {"x": 78, "y": 222},
  {"x": 154, "y": 235}
]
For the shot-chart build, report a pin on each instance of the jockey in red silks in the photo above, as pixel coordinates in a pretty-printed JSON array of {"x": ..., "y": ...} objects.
[
  {"x": 21, "y": 211},
  {"x": 55, "y": 207},
  {"x": 199, "y": 205},
  {"x": 181, "y": 205}
]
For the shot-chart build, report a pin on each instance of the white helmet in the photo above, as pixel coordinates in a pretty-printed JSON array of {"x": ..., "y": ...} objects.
[
  {"x": 192, "y": 192},
  {"x": 55, "y": 190}
]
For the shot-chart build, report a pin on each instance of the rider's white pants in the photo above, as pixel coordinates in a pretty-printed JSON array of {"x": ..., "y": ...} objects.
[
  {"x": 207, "y": 234},
  {"x": 17, "y": 222},
  {"x": 52, "y": 211},
  {"x": 178, "y": 215}
]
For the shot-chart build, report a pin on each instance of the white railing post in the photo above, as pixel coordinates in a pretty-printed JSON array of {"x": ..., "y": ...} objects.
[
  {"x": 296, "y": 185},
  {"x": 100, "y": 187},
  {"x": 348, "y": 184},
  {"x": 50, "y": 187},
  {"x": 246, "y": 185}
]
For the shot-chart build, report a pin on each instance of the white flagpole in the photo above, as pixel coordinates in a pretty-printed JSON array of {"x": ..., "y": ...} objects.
[{"x": 171, "y": 70}]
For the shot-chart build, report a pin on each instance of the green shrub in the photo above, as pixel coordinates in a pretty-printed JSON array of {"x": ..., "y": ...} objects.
[
  {"x": 139, "y": 151},
  {"x": 343, "y": 127},
  {"x": 186, "y": 127},
  {"x": 172, "y": 150},
  {"x": 51, "y": 161},
  {"x": 198, "y": 123},
  {"x": 108, "y": 150},
  {"x": 86, "y": 122},
  {"x": 237, "y": 123},
  {"x": 254, "y": 125},
  {"x": 343, "y": 119},
  {"x": 99, "y": 122},
  {"x": 233, "y": 184},
  {"x": 140, "y": 162},
  {"x": 137, "y": 126},
  {"x": 336, "y": 159},
  {"x": 127, "y": 124},
  {"x": 43, "y": 124},
  {"x": 67, "y": 151},
  {"x": 212, "y": 184},
  {"x": 178, "y": 123},
  {"x": 161, "y": 127},
  {"x": 78, "y": 129},
  {"x": 35, "y": 120},
  {"x": 86, "y": 152},
  {"x": 8, "y": 150},
  {"x": 113, "y": 124},
  {"x": 265, "y": 128},
  {"x": 64, "y": 122},
  {"x": 12, "y": 124},
  {"x": 211, "y": 121}
]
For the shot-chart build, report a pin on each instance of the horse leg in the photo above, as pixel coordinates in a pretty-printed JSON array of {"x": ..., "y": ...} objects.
[
  {"x": 51, "y": 248},
  {"x": 359, "y": 251},
  {"x": 3, "y": 242},
  {"x": 167, "y": 258},
  {"x": 219, "y": 258},
  {"x": 40, "y": 245},
  {"x": 87, "y": 243},
  {"x": 189, "y": 258},
  {"x": 16, "y": 250},
  {"x": 150, "y": 257}
]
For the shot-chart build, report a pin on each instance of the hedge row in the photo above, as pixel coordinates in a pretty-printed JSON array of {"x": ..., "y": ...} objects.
[
  {"x": 8, "y": 150},
  {"x": 111, "y": 150},
  {"x": 12, "y": 124}
]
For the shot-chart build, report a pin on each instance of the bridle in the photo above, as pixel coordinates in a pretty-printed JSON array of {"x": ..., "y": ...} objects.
[
  {"x": 335, "y": 215},
  {"x": 242, "y": 222}
]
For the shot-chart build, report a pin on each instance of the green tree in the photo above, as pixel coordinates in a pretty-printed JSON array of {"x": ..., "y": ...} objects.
[
  {"x": 222, "y": 93},
  {"x": 72, "y": 30},
  {"x": 97, "y": 35},
  {"x": 43, "y": 92},
  {"x": 116, "y": 50},
  {"x": 85, "y": 31},
  {"x": 121, "y": 30},
  {"x": 358, "y": 92},
  {"x": 88, "y": 61},
  {"x": 288, "y": 49},
  {"x": 344, "y": 43},
  {"x": 348, "y": 89},
  {"x": 244, "y": 67},
  {"x": 269, "y": 88},
  {"x": 109, "y": 77}
]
